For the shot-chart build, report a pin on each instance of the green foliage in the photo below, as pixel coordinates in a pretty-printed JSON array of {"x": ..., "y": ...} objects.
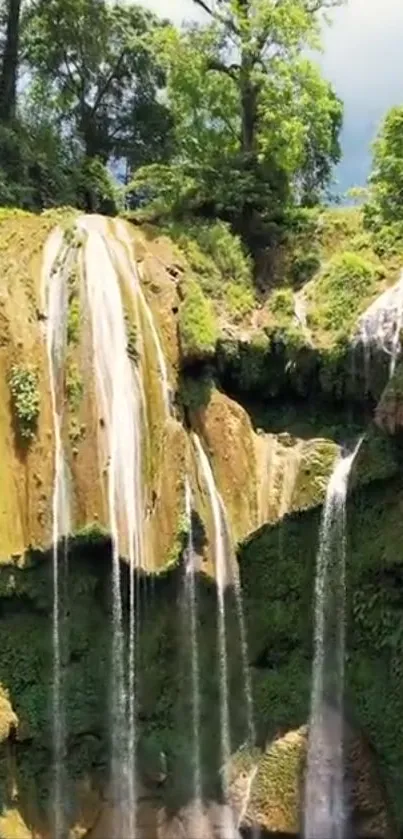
[
  {"x": 23, "y": 385},
  {"x": 74, "y": 386},
  {"x": 106, "y": 91},
  {"x": 385, "y": 205},
  {"x": 219, "y": 262},
  {"x": 281, "y": 303},
  {"x": 73, "y": 320},
  {"x": 247, "y": 134},
  {"x": 340, "y": 292},
  {"x": 197, "y": 326}
]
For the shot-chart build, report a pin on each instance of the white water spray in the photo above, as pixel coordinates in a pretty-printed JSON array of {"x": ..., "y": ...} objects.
[
  {"x": 324, "y": 786},
  {"x": 56, "y": 266},
  {"x": 120, "y": 400}
]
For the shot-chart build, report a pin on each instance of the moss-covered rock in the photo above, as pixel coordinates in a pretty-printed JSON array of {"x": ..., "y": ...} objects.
[{"x": 276, "y": 795}]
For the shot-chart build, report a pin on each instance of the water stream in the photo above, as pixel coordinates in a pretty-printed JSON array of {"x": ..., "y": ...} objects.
[
  {"x": 191, "y": 603},
  {"x": 226, "y": 574},
  {"x": 120, "y": 400},
  {"x": 55, "y": 272},
  {"x": 325, "y": 816}
]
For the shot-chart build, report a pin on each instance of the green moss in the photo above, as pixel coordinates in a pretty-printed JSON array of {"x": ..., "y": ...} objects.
[
  {"x": 25, "y": 398},
  {"x": 340, "y": 293},
  {"x": 73, "y": 320},
  {"x": 197, "y": 326},
  {"x": 74, "y": 386}
]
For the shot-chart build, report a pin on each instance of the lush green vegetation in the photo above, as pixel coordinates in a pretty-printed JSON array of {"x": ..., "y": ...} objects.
[
  {"x": 197, "y": 326},
  {"x": 340, "y": 292},
  {"x": 25, "y": 400},
  {"x": 229, "y": 119}
]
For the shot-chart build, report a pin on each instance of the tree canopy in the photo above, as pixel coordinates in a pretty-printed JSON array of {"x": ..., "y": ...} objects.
[
  {"x": 230, "y": 118},
  {"x": 255, "y": 124},
  {"x": 385, "y": 205}
]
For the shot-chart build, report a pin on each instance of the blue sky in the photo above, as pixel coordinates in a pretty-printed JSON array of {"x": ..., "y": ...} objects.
[{"x": 363, "y": 58}]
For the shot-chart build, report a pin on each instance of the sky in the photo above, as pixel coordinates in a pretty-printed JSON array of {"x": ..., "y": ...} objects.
[{"x": 363, "y": 58}]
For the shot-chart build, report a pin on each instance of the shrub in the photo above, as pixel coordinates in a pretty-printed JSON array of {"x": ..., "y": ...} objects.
[
  {"x": 340, "y": 292},
  {"x": 197, "y": 325},
  {"x": 25, "y": 400},
  {"x": 281, "y": 303},
  {"x": 240, "y": 301},
  {"x": 219, "y": 261}
]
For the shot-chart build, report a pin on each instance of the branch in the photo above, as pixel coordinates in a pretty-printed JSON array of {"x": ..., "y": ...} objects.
[
  {"x": 216, "y": 16},
  {"x": 232, "y": 70},
  {"x": 108, "y": 81}
]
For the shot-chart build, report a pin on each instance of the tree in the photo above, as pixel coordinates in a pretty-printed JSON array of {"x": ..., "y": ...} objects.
[
  {"x": 256, "y": 125},
  {"x": 91, "y": 63},
  {"x": 9, "y": 61},
  {"x": 385, "y": 205}
]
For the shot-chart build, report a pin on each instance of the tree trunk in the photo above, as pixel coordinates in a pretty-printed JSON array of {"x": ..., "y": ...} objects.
[
  {"x": 248, "y": 109},
  {"x": 9, "y": 64}
]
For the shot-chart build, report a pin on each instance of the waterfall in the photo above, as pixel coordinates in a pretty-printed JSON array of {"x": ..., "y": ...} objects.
[
  {"x": 324, "y": 794},
  {"x": 120, "y": 398},
  {"x": 379, "y": 328},
  {"x": 226, "y": 574},
  {"x": 56, "y": 266},
  {"x": 191, "y": 603},
  {"x": 221, "y": 572},
  {"x": 123, "y": 237}
]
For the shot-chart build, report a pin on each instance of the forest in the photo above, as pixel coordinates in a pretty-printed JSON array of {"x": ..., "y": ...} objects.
[{"x": 106, "y": 107}]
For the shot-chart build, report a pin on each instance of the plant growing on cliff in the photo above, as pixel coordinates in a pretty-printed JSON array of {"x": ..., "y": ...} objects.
[
  {"x": 341, "y": 291},
  {"x": 197, "y": 325},
  {"x": 23, "y": 385}
]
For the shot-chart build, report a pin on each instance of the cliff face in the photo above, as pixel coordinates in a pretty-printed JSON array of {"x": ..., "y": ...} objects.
[{"x": 233, "y": 369}]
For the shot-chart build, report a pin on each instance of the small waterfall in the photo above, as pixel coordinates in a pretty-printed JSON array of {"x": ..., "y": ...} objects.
[
  {"x": 56, "y": 266},
  {"x": 324, "y": 794},
  {"x": 191, "y": 603},
  {"x": 222, "y": 580},
  {"x": 226, "y": 574},
  {"x": 379, "y": 328},
  {"x": 120, "y": 398}
]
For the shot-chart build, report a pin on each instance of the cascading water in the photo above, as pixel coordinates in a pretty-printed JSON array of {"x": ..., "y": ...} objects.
[
  {"x": 120, "y": 399},
  {"x": 324, "y": 816},
  {"x": 191, "y": 603},
  {"x": 56, "y": 267},
  {"x": 123, "y": 237},
  {"x": 379, "y": 328},
  {"x": 226, "y": 574}
]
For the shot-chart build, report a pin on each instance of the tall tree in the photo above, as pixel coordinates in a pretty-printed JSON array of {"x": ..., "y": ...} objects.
[
  {"x": 9, "y": 61},
  {"x": 256, "y": 125},
  {"x": 91, "y": 60}
]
